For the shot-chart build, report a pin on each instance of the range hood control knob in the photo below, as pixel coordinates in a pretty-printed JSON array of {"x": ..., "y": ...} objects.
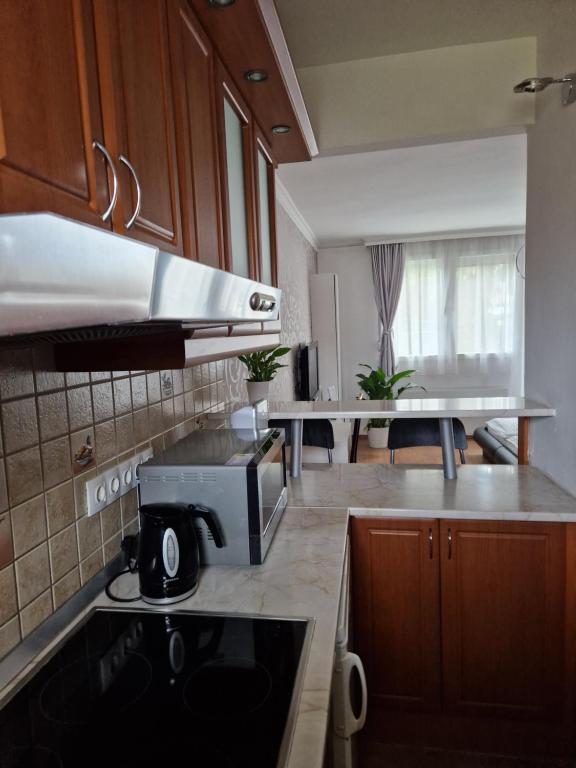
[{"x": 262, "y": 302}]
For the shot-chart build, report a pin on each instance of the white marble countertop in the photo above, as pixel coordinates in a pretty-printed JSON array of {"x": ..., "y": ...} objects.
[
  {"x": 488, "y": 492},
  {"x": 406, "y": 408}
]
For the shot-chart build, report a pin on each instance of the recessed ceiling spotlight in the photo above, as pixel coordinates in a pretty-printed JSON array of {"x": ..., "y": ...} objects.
[
  {"x": 537, "y": 84},
  {"x": 256, "y": 75},
  {"x": 220, "y": 3},
  {"x": 281, "y": 129}
]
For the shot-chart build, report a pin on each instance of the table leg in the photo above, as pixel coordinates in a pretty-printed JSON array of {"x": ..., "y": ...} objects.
[
  {"x": 296, "y": 447},
  {"x": 355, "y": 438},
  {"x": 523, "y": 426},
  {"x": 447, "y": 440}
]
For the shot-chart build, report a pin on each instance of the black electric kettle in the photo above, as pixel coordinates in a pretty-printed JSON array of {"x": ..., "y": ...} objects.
[{"x": 168, "y": 556}]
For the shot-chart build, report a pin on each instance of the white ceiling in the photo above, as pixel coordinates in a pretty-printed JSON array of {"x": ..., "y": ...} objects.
[
  {"x": 465, "y": 186},
  {"x": 326, "y": 31}
]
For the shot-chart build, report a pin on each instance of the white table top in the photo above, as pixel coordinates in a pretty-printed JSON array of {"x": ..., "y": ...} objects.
[{"x": 408, "y": 408}]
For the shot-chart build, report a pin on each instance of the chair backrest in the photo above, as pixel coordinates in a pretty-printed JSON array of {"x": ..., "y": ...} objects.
[{"x": 411, "y": 433}]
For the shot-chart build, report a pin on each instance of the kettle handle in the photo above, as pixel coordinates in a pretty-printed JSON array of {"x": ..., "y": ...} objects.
[{"x": 196, "y": 510}]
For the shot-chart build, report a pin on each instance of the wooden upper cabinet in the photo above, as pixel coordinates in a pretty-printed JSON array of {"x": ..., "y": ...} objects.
[
  {"x": 195, "y": 109},
  {"x": 50, "y": 111},
  {"x": 395, "y": 582},
  {"x": 264, "y": 174},
  {"x": 138, "y": 113},
  {"x": 503, "y": 588},
  {"x": 237, "y": 177}
]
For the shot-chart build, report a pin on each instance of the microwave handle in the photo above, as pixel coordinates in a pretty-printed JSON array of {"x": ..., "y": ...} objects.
[{"x": 209, "y": 517}]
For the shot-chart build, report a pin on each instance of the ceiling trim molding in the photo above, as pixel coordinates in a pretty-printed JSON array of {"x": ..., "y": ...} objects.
[
  {"x": 285, "y": 199},
  {"x": 390, "y": 239}
]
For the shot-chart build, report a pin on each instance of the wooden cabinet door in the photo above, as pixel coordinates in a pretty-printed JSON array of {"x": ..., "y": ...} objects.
[
  {"x": 50, "y": 111},
  {"x": 195, "y": 109},
  {"x": 503, "y": 587},
  {"x": 137, "y": 106},
  {"x": 265, "y": 193},
  {"x": 395, "y": 580}
]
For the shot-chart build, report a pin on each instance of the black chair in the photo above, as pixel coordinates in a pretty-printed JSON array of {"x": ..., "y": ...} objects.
[
  {"x": 410, "y": 433},
  {"x": 317, "y": 432}
]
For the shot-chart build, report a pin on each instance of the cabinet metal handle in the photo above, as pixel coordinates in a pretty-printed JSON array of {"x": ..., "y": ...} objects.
[
  {"x": 449, "y": 543},
  {"x": 136, "y": 212},
  {"x": 430, "y": 544},
  {"x": 108, "y": 212}
]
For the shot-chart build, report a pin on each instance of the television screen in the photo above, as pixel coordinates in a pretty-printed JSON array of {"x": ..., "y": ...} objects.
[{"x": 308, "y": 383}]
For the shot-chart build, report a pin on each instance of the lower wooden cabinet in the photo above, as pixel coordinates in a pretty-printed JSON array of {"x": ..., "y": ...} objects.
[{"x": 466, "y": 629}]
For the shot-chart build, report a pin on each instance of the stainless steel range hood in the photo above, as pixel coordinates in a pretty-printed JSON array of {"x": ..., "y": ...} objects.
[{"x": 63, "y": 281}]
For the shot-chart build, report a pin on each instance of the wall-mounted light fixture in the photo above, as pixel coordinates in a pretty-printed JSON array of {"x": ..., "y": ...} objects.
[
  {"x": 536, "y": 84},
  {"x": 281, "y": 129},
  {"x": 220, "y": 3},
  {"x": 256, "y": 75}
]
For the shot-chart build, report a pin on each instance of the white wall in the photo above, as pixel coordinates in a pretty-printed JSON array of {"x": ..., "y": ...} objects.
[
  {"x": 463, "y": 90},
  {"x": 358, "y": 316},
  {"x": 551, "y": 260}
]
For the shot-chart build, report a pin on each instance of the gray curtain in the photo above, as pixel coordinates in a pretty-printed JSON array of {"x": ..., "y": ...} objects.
[{"x": 387, "y": 273}]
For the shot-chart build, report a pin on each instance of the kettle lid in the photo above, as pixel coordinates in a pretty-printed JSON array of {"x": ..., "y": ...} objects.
[{"x": 164, "y": 512}]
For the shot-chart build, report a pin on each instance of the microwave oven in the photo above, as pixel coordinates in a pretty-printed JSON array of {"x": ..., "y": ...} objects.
[{"x": 238, "y": 474}]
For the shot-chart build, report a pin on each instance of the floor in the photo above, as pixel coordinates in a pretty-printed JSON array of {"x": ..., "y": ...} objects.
[
  {"x": 391, "y": 756},
  {"x": 367, "y": 455}
]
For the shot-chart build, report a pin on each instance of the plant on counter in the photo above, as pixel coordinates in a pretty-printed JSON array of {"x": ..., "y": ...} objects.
[
  {"x": 262, "y": 367},
  {"x": 380, "y": 387}
]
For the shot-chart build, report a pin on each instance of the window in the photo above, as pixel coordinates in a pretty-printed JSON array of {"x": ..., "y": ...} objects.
[{"x": 461, "y": 312}]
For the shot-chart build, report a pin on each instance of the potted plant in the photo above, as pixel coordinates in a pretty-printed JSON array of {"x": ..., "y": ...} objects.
[
  {"x": 380, "y": 387},
  {"x": 262, "y": 367}
]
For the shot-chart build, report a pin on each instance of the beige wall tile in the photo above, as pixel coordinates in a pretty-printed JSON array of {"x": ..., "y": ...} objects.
[
  {"x": 100, "y": 375},
  {"x": 35, "y": 613},
  {"x": 178, "y": 382},
  {"x": 16, "y": 378},
  {"x": 60, "y": 507},
  {"x": 8, "y": 598},
  {"x": 179, "y": 412},
  {"x": 103, "y": 401},
  {"x": 111, "y": 520},
  {"x": 155, "y": 419},
  {"x": 46, "y": 378},
  {"x": 20, "y": 424},
  {"x": 91, "y": 566},
  {"x": 9, "y": 636},
  {"x": 168, "y": 413},
  {"x": 32, "y": 574},
  {"x": 29, "y": 525},
  {"x": 79, "y": 408},
  {"x": 166, "y": 385},
  {"x": 63, "y": 552},
  {"x": 89, "y": 535},
  {"x": 83, "y": 450},
  {"x": 141, "y": 426},
  {"x": 122, "y": 397},
  {"x": 112, "y": 547},
  {"x": 66, "y": 587},
  {"x": 105, "y": 440},
  {"x": 24, "y": 472},
  {"x": 53, "y": 415},
  {"x": 80, "y": 492},
  {"x": 153, "y": 385},
  {"x": 56, "y": 462},
  {"x": 139, "y": 394},
  {"x": 124, "y": 433},
  {"x": 129, "y": 503},
  {"x": 76, "y": 379},
  {"x": 6, "y": 549}
]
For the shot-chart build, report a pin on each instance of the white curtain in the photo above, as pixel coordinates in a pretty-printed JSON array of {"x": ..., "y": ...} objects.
[{"x": 460, "y": 318}]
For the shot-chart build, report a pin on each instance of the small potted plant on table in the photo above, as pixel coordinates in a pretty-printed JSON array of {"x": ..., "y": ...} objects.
[
  {"x": 262, "y": 367},
  {"x": 380, "y": 387}
]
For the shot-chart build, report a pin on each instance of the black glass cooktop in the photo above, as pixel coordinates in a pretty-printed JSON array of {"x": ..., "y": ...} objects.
[{"x": 132, "y": 689}]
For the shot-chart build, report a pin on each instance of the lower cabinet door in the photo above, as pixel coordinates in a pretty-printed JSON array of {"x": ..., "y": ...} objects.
[
  {"x": 395, "y": 578},
  {"x": 503, "y": 596}
]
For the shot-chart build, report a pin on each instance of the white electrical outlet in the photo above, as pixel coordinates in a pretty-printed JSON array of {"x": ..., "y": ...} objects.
[{"x": 115, "y": 482}]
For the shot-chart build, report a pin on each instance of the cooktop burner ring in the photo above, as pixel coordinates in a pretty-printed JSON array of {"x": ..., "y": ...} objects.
[
  {"x": 246, "y": 688},
  {"x": 33, "y": 756},
  {"x": 104, "y": 679}
]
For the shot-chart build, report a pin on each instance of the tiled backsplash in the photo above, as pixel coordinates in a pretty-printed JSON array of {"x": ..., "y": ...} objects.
[{"x": 56, "y": 431}]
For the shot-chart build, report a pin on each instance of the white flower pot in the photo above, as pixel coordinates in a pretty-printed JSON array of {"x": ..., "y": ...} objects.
[
  {"x": 378, "y": 437},
  {"x": 257, "y": 390}
]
